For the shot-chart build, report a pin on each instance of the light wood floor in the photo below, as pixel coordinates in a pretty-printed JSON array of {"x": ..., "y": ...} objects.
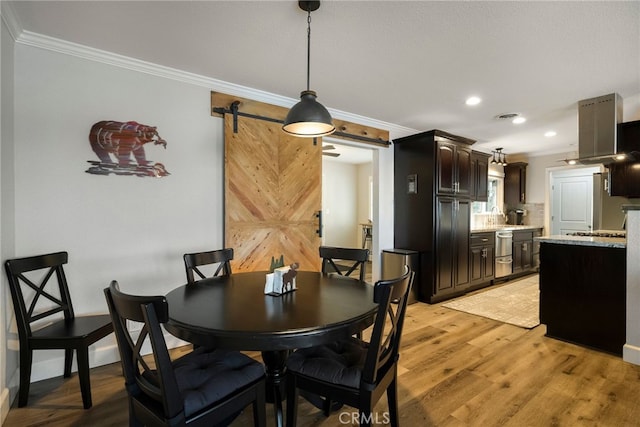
[{"x": 456, "y": 370}]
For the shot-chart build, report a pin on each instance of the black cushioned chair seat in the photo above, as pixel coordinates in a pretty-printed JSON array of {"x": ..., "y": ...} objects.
[
  {"x": 208, "y": 376},
  {"x": 340, "y": 362}
]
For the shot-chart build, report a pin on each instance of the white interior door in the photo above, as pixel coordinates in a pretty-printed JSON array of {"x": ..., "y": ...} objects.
[{"x": 572, "y": 200}]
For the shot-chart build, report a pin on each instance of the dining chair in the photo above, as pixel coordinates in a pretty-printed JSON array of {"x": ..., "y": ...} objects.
[
  {"x": 45, "y": 318},
  {"x": 351, "y": 371},
  {"x": 202, "y": 388},
  {"x": 222, "y": 257},
  {"x": 344, "y": 261}
]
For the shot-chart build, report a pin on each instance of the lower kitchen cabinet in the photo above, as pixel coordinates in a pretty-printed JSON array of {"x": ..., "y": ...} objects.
[
  {"x": 452, "y": 243},
  {"x": 481, "y": 259},
  {"x": 583, "y": 294},
  {"x": 522, "y": 251}
]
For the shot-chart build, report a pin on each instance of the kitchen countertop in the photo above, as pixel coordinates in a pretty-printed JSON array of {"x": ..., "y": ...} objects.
[
  {"x": 505, "y": 227},
  {"x": 611, "y": 242}
]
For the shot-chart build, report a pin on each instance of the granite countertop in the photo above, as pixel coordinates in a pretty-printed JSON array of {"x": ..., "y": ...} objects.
[
  {"x": 610, "y": 242},
  {"x": 506, "y": 227}
]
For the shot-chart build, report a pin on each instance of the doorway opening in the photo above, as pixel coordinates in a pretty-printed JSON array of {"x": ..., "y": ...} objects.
[{"x": 347, "y": 196}]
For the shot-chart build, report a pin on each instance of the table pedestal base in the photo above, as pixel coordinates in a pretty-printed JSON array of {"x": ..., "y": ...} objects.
[{"x": 275, "y": 368}]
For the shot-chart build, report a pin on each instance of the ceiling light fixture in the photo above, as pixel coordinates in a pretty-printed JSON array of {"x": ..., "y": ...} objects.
[
  {"x": 501, "y": 157},
  {"x": 518, "y": 120},
  {"x": 308, "y": 118},
  {"x": 473, "y": 100}
]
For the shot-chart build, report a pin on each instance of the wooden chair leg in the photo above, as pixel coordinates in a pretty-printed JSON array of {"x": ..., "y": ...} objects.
[
  {"x": 83, "y": 375},
  {"x": 26, "y": 357},
  {"x": 366, "y": 414},
  {"x": 68, "y": 360},
  {"x": 259, "y": 408},
  {"x": 392, "y": 400}
]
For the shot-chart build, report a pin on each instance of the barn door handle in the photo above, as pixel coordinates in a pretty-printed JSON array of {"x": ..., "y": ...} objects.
[{"x": 319, "y": 216}]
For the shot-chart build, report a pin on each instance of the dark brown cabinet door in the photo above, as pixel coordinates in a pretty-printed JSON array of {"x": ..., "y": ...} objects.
[
  {"x": 515, "y": 182},
  {"x": 481, "y": 258},
  {"x": 463, "y": 227},
  {"x": 463, "y": 171},
  {"x": 624, "y": 179},
  {"x": 452, "y": 243},
  {"x": 445, "y": 168},
  {"x": 445, "y": 240},
  {"x": 479, "y": 176},
  {"x": 522, "y": 251}
]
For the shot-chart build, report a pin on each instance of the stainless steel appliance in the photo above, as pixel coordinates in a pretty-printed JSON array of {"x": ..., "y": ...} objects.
[
  {"x": 504, "y": 251},
  {"x": 607, "y": 210},
  {"x": 393, "y": 262}
]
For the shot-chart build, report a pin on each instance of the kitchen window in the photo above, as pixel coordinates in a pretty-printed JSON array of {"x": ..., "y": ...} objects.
[{"x": 495, "y": 199}]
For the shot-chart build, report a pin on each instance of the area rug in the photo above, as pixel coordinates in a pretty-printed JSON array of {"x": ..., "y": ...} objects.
[{"x": 516, "y": 303}]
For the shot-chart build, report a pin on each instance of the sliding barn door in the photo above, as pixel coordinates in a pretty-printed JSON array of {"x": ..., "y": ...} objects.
[{"x": 273, "y": 194}]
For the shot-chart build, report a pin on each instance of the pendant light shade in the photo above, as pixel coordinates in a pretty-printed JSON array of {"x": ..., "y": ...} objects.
[{"x": 308, "y": 118}]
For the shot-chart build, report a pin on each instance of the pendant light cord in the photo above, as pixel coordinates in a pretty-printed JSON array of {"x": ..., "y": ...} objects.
[{"x": 308, "y": 46}]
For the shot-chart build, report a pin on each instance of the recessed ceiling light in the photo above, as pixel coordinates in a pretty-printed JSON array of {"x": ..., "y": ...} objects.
[
  {"x": 518, "y": 120},
  {"x": 473, "y": 100},
  {"x": 550, "y": 133}
]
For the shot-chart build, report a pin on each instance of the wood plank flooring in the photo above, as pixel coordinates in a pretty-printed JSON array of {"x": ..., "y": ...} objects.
[{"x": 456, "y": 369}]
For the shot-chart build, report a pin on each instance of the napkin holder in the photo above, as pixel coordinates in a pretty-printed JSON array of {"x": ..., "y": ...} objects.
[{"x": 281, "y": 281}]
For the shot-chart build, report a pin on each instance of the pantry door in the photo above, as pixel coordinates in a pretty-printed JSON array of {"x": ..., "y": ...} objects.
[{"x": 273, "y": 195}]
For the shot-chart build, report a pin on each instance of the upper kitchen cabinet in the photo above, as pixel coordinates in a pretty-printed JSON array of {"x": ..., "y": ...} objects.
[
  {"x": 515, "y": 183},
  {"x": 479, "y": 176},
  {"x": 624, "y": 179},
  {"x": 453, "y": 166}
]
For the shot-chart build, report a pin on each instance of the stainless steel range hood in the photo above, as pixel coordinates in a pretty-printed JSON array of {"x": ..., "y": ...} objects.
[{"x": 598, "y": 120}]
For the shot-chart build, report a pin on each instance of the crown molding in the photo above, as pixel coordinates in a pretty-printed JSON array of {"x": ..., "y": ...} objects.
[
  {"x": 10, "y": 19},
  {"x": 29, "y": 38}
]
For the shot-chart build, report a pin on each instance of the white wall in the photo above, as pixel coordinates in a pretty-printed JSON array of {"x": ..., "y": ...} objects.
[
  {"x": 339, "y": 204},
  {"x": 127, "y": 228},
  {"x": 131, "y": 229},
  {"x": 7, "y": 364}
]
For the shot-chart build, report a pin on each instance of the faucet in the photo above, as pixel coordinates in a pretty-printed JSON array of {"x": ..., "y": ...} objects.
[{"x": 493, "y": 220}]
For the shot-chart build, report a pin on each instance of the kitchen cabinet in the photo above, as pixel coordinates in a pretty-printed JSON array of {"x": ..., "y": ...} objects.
[
  {"x": 479, "y": 176},
  {"x": 583, "y": 294},
  {"x": 624, "y": 179},
  {"x": 522, "y": 251},
  {"x": 432, "y": 184},
  {"x": 452, "y": 243},
  {"x": 515, "y": 183},
  {"x": 535, "y": 263},
  {"x": 481, "y": 259},
  {"x": 453, "y": 168}
]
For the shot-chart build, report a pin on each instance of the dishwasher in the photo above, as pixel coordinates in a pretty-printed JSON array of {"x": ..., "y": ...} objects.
[{"x": 504, "y": 252}]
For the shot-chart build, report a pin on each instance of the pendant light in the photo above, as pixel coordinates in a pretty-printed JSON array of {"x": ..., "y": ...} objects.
[
  {"x": 308, "y": 118},
  {"x": 493, "y": 158}
]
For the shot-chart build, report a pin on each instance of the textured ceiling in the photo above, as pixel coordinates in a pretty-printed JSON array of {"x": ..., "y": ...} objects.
[{"x": 408, "y": 63}]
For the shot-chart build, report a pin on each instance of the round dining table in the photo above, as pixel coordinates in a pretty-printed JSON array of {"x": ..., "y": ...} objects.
[{"x": 233, "y": 312}]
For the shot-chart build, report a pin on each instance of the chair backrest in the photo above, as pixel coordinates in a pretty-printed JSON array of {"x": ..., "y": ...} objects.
[
  {"x": 146, "y": 383},
  {"x": 42, "y": 299},
  {"x": 392, "y": 297},
  {"x": 222, "y": 257},
  {"x": 333, "y": 260}
]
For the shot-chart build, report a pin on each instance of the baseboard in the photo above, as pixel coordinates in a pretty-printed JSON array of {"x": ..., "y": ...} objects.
[
  {"x": 102, "y": 353},
  {"x": 4, "y": 405},
  {"x": 631, "y": 354}
]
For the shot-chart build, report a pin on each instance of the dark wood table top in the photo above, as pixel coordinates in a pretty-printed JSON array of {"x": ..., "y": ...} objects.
[{"x": 233, "y": 312}]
